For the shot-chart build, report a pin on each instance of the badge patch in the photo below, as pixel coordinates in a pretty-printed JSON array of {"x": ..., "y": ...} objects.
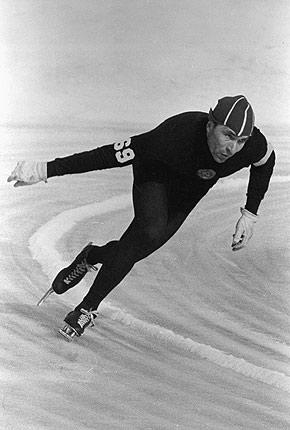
[{"x": 206, "y": 173}]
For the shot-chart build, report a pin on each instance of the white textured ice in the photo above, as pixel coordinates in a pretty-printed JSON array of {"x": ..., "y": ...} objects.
[{"x": 43, "y": 248}]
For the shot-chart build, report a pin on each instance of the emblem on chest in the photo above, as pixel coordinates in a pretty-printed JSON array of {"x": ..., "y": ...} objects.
[{"x": 206, "y": 173}]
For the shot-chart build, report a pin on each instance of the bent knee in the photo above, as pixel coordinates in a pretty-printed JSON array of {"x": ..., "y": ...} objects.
[{"x": 154, "y": 234}]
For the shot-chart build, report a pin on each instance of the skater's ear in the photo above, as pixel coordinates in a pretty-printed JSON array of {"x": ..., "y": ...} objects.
[{"x": 210, "y": 125}]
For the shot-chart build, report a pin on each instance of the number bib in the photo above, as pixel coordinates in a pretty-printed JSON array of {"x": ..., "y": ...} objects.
[{"x": 123, "y": 152}]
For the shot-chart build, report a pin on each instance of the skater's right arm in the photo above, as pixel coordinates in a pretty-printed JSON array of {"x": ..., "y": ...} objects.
[
  {"x": 157, "y": 145},
  {"x": 118, "y": 154}
]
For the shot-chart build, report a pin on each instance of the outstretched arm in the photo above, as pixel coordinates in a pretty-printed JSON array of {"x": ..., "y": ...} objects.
[{"x": 117, "y": 154}]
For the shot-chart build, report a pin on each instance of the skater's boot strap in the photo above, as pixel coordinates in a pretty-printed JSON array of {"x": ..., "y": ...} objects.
[{"x": 87, "y": 316}]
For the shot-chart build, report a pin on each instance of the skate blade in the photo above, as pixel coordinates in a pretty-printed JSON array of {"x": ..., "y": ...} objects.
[
  {"x": 67, "y": 332},
  {"x": 45, "y": 296}
]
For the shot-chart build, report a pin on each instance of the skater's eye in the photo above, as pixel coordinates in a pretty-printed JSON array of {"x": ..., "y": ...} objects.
[{"x": 230, "y": 136}]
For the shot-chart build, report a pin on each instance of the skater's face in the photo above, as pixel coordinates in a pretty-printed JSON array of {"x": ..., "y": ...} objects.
[{"x": 223, "y": 143}]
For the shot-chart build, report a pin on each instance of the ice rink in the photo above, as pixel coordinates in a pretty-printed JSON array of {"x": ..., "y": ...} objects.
[{"x": 195, "y": 338}]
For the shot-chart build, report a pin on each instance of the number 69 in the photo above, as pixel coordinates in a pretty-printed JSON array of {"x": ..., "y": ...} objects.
[{"x": 123, "y": 153}]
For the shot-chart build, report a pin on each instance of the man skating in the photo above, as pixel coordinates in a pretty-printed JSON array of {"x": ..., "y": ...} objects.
[{"x": 174, "y": 166}]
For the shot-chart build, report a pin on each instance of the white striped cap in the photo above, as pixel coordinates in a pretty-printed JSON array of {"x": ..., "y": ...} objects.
[{"x": 236, "y": 113}]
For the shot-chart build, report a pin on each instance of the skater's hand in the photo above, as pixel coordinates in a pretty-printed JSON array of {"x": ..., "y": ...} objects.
[
  {"x": 28, "y": 173},
  {"x": 244, "y": 230}
]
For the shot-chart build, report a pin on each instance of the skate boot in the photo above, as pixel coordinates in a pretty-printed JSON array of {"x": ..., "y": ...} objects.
[
  {"x": 70, "y": 276},
  {"x": 76, "y": 322}
]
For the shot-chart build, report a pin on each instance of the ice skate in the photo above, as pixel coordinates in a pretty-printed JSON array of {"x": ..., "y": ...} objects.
[
  {"x": 76, "y": 322},
  {"x": 45, "y": 296},
  {"x": 70, "y": 276}
]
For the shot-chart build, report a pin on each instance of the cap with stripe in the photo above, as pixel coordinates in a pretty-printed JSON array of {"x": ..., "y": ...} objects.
[{"x": 236, "y": 113}]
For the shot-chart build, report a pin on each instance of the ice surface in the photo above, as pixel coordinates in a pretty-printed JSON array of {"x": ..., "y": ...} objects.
[{"x": 196, "y": 337}]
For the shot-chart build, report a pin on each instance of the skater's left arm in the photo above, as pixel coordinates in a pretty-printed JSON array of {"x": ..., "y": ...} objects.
[{"x": 260, "y": 175}]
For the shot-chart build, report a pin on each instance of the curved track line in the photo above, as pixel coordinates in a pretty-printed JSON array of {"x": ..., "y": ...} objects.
[{"x": 43, "y": 248}]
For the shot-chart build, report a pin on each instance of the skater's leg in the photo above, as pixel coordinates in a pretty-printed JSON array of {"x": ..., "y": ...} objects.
[
  {"x": 149, "y": 199},
  {"x": 102, "y": 254},
  {"x": 86, "y": 260},
  {"x": 149, "y": 230}
]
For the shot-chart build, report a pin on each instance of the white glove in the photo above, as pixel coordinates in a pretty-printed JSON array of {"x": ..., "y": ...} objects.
[
  {"x": 28, "y": 173},
  {"x": 244, "y": 229}
]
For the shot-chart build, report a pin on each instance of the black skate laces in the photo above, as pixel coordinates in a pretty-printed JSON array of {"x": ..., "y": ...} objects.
[
  {"x": 80, "y": 269},
  {"x": 87, "y": 317}
]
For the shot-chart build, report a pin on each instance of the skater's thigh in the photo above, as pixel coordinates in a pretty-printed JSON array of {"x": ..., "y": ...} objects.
[
  {"x": 154, "y": 210},
  {"x": 160, "y": 198},
  {"x": 150, "y": 203},
  {"x": 150, "y": 192}
]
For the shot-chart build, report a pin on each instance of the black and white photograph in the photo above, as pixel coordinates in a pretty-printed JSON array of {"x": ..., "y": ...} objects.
[{"x": 145, "y": 236}]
